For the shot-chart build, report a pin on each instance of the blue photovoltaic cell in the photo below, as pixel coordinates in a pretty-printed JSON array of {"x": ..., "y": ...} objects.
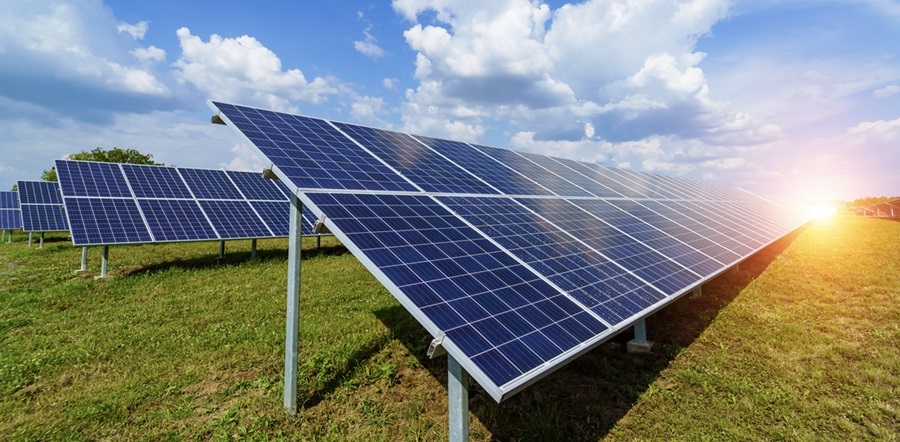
[
  {"x": 412, "y": 159},
  {"x": 573, "y": 176},
  {"x": 571, "y": 254},
  {"x": 91, "y": 179},
  {"x": 42, "y": 207},
  {"x": 39, "y": 192},
  {"x": 638, "y": 258},
  {"x": 155, "y": 182},
  {"x": 546, "y": 178},
  {"x": 10, "y": 215},
  {"x": 655, "y": 239},
  {"x": 254, "y": 187},
  {"x": 700, "y": 237},
  {"x": 496, "y": 174},
  {"x": 311, "y": 152},
  {"x": 176, "y": 220},
  {"x": 234, "y": 219},
  {"x": 44, "y": 218},
  {"x": 502, "y": 316},
  {"x": 95, "y": 221},
  {"x": 605, "y": 288},
  {"x": 276, "y": 215},
  {"x": 210, "y": 184}
]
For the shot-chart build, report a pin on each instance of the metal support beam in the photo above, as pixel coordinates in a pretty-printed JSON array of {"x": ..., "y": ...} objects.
[
  {"x": 3, "y": 235},
  {"x": 84, "y": 259},
  {"x": 8, "y": 235},
  {"x": 41, "y": 243},
  {"x": 104, "y": 263},
  {"x": 639, "y": 344},
  {"x": 318, "y": 242},
  {"x": 292, "y": 320},
  {"x": 458, "y": 395},
  {"x": 253, "y": 249},
  {"x": 30, "y": 236},
  {"x": 221, "y": 249}
]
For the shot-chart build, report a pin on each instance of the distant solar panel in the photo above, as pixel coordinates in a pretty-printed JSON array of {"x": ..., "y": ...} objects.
[
  {"x": 515, "y": 262},
  {"x": 109, "y": 203},
  {"x": 10, "y": 215},
  {"x": 42, "y": 207}
]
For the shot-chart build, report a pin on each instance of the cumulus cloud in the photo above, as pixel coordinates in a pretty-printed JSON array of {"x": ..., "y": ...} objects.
[
  {"x": 599, "y": 79},
  {"x": 369, "y": 46},
  {"x": 136, "y": 30},
  {"x": 245, "y": 158},
  {"x": 390, "y": 83},
  {"x": 243, "y": 70},
  {"x": 58, "y": 56},
  {"x": 150, "y": 54}
]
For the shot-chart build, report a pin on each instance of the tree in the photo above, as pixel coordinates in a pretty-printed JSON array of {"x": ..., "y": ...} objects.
[
  {"x": 15, "y": 188},
  {"x": 114, "y": 155}
]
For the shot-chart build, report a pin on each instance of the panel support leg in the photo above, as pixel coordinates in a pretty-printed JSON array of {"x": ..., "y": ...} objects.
[
  {"x": 83, "y": 270},
  {"x": 30, "y": 236},
  {"x": 458, "y": 395},
  {"x": 104, "y": 263},
  {"x": 8, "y": 234},
  {"x": 3, "y": 235},
  {"x": 41, "y": 243},
  {"x": 253, "y": 249},
  {"x": 639, "y": 344},
  {"x": 221, "y": 250},
  {"x": 292, "y": 321}
]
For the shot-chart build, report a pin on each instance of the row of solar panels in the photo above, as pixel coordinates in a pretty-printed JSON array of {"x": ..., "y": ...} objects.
[
  {"x": 109, "y": 203},
  {"x": 886, "y": 209},
  {"x": 516, "y": 262}
]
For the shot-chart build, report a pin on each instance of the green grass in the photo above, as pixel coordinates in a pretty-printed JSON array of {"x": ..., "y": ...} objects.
[{"x": 799, "y": 342}]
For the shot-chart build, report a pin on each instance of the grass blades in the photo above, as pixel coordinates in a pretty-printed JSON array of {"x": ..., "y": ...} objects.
[{"x": 798, "y": 342}]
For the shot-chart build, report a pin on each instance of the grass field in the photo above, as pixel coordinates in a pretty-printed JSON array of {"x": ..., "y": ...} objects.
[{"x": 801, "y": 342}]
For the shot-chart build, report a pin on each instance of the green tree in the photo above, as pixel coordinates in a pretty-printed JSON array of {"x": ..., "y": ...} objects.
[
  {"x": 114, "y": 155},
  {"x": 15, "y": 188}
]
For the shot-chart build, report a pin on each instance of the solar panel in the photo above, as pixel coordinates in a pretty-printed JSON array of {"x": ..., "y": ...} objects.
[
  {"x": 42, "y": 207},
  {"x": 517, "y": 262},
  {"x": 10, "y": 215},
  {"x": 170, "y": 204}
]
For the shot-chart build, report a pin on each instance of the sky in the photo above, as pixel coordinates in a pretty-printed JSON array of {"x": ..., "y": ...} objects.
[{"x": 794, "y": 98}]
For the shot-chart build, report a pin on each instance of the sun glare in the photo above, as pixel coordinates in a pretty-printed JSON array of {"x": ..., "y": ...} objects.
[{"x": 822, "y": 211}]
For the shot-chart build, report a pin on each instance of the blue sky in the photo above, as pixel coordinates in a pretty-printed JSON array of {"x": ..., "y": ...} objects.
[{"x": 793, "y": 98}]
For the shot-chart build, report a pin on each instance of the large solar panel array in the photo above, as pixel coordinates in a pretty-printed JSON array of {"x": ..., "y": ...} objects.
[
  {"x": 42, "y": 207},
  {"x": 110, "y": 203},
  {"x": 519, "y": 262},
  {"x": 10, "y": 215}
]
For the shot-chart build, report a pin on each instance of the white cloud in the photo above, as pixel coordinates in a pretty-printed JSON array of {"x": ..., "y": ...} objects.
[
  {"x": 150, "y": 54},
  {"x": 51, "y": 46},
  {"x": 390, "y": 83},
  {"x": 243, "y": 70},
  {"x": 887, "y": 91},
  {"x": 245, "y": 158},
  {"x": 369, "y": 47},
  {"x": 136, "y": 30}
]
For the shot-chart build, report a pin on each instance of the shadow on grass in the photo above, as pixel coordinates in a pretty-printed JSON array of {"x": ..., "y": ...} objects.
[
  {"x": 584, "y": 399},
  {"x": 230, "y": 258}
]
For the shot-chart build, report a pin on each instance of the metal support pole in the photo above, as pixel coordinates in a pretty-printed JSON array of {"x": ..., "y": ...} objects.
[
  {"x": 221, "y": 249},
  {"x": 318, "y": 242},
  {"x": 292, "y": 320},
  {"x": 104, "y": 262},
  {"x": 3, "y": 235},
  {"x": 697, "y": 293},
  {"x": 458, "y": 395},
  {"x": 9, "y": 237},
  {"x": 30, "y": 235},
  {"x": 84, "y": 259},
  {"x": 253, "y": 248},
  {"x": 639, "y": 344},
  {"x": 41, "y": 244}
]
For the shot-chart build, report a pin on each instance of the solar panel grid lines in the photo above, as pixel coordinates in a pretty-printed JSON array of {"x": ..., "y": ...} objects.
[
  {"x": 595, "y": 282},
  {"x": 312, "y": 151},
  {"x": 41, "y": 207},
  {"x": 424, "y": 167},
  {"x": 500, "y": 177},
  {"x": 605, "y": 246},
  {"x": 491, "y": 307},
  {"x": 177, "y": 204},
  {"x": 10, "y": 214}
]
